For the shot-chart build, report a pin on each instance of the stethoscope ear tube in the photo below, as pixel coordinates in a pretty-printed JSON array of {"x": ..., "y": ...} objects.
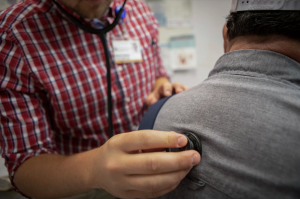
[{"x": 102, "y": 35}]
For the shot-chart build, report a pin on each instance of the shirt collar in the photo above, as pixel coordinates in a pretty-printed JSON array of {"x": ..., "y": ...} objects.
[
  {"x": 260, "y": 62},
  {"x": 95, "y": 23}
]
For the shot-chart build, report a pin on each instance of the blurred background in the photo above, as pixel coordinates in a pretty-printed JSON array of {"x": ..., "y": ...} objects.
[
  {"x": 190, "y": 38},
  {"x": 202, "y": 21}
]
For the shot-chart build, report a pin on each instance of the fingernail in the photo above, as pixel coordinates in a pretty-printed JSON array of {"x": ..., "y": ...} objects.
[
  {"x": 181, "y": 141},
  {"x": 167, "y": 93},
  {"x": 179, "y": 90},
  {"x": 194, "y": 159}
]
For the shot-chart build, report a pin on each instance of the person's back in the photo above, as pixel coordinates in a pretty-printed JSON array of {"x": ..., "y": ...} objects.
[{"x": 247, "y": 114}]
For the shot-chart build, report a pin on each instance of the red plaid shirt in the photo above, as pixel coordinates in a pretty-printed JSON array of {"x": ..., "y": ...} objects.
[{"x": 53, "y": 80}]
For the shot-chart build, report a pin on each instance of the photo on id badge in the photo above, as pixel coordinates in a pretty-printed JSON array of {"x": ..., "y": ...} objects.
[{"x": 127, "y": 51}]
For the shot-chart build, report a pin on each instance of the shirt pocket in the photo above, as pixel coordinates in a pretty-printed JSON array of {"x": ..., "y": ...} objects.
[{"x": 192, "y": 182}]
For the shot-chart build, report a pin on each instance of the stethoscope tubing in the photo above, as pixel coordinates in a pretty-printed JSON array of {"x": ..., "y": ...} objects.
[{"x": 102, "y": 35}]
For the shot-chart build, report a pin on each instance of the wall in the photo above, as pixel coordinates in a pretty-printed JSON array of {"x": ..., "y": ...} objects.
[
  {"x": 5, "y": 3},
  {"x": 208, "y": 20}
]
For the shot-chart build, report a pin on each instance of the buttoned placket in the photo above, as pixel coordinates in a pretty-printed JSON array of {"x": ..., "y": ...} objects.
[{"x": 120, "y": 69}]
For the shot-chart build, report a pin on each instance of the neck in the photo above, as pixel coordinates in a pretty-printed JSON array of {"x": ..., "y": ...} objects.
[
  {"x": 276, "y": 43},
  {"x": 88, "y": 9}
]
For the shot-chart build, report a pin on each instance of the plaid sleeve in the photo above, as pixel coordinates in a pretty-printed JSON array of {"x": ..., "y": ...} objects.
[
  {"x": 24, "y": 125},
  {"x": 160, "y": 69},
  {"x": 153, "y": 23}
]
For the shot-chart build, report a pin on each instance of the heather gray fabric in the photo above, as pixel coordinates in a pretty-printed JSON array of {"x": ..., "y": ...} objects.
[{"x": 247, "y": 114}]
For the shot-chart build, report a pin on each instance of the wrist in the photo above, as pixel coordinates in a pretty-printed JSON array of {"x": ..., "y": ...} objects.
[
  {"x": 86, "y": 169},
  {"x": 92, "y": 170}
]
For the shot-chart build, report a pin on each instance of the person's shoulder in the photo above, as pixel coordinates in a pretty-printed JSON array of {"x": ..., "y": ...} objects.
[
  {"x": 141, "y": 10},
  {"x": 140, "y": 5},
  {"x": 19, "y": 12},
  {"x": 140, "y": 2}
]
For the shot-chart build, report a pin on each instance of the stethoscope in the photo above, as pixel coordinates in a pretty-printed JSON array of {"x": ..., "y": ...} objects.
[{"x": 102, "y": 34}]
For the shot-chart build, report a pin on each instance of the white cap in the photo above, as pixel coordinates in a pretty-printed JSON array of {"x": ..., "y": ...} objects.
[{"x": 258, "y": 5}]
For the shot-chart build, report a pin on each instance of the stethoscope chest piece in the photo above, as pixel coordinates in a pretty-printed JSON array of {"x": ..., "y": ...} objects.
[{"x": 194, "y": 143}]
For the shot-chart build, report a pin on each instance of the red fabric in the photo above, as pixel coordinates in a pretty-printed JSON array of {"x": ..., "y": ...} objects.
[{"x": 53, "y": 80}]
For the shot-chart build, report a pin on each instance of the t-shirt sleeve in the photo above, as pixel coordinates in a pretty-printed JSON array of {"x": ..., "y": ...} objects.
[
  {"x": 24, "y": 124},
  {"x": 149, "y": 118}
]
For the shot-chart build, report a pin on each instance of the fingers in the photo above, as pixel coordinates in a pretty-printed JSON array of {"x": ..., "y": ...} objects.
[
  {"x": 160, "y": 162},
  {"x": 152, "y": 185},
  {"x": 166, "y": 89},
  {"x": 152, "y": 98},
  {"x": 149, "y": 139},
  {"x": 128, "y": 172},
  {"x": 178, "y": 87},
  {"x": 153, "y": 150}
]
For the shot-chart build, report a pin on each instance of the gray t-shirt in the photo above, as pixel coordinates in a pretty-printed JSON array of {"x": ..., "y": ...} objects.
[{"x": 247, "y": 114}]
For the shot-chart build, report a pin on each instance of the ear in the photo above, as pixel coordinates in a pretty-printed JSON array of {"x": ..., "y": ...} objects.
[{"x": 225, "y": 38}]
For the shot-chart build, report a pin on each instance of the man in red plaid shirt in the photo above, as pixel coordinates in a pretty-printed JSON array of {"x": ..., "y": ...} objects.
[{"x": 53, "y": 102}]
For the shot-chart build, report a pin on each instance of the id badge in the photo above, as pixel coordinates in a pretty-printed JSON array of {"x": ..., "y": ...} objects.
[{"x": 127, "y": 51}]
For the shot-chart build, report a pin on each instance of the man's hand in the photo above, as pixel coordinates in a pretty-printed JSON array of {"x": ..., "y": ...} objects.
[
  {"x": 121, "y": 168},
  {"x": 164, "y": 88},
  {"x": 129, "y": 165}
]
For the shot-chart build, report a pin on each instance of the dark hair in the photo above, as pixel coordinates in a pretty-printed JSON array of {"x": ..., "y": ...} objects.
[{"x": 264, "y": 23}]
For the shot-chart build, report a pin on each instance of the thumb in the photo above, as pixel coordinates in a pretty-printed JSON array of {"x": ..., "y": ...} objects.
[
  {"x": 165, "y": 90},
  {"x": 152, "y": 98}
]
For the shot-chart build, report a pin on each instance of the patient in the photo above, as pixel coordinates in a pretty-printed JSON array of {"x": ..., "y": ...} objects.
[{"x": 247, "y": 112}]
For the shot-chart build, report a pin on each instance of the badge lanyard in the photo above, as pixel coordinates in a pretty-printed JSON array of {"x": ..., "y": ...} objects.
[{"x": 102, "y": 35}]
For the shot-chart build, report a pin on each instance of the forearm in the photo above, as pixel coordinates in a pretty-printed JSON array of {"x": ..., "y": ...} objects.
[{"x": 54, "y": 176}]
